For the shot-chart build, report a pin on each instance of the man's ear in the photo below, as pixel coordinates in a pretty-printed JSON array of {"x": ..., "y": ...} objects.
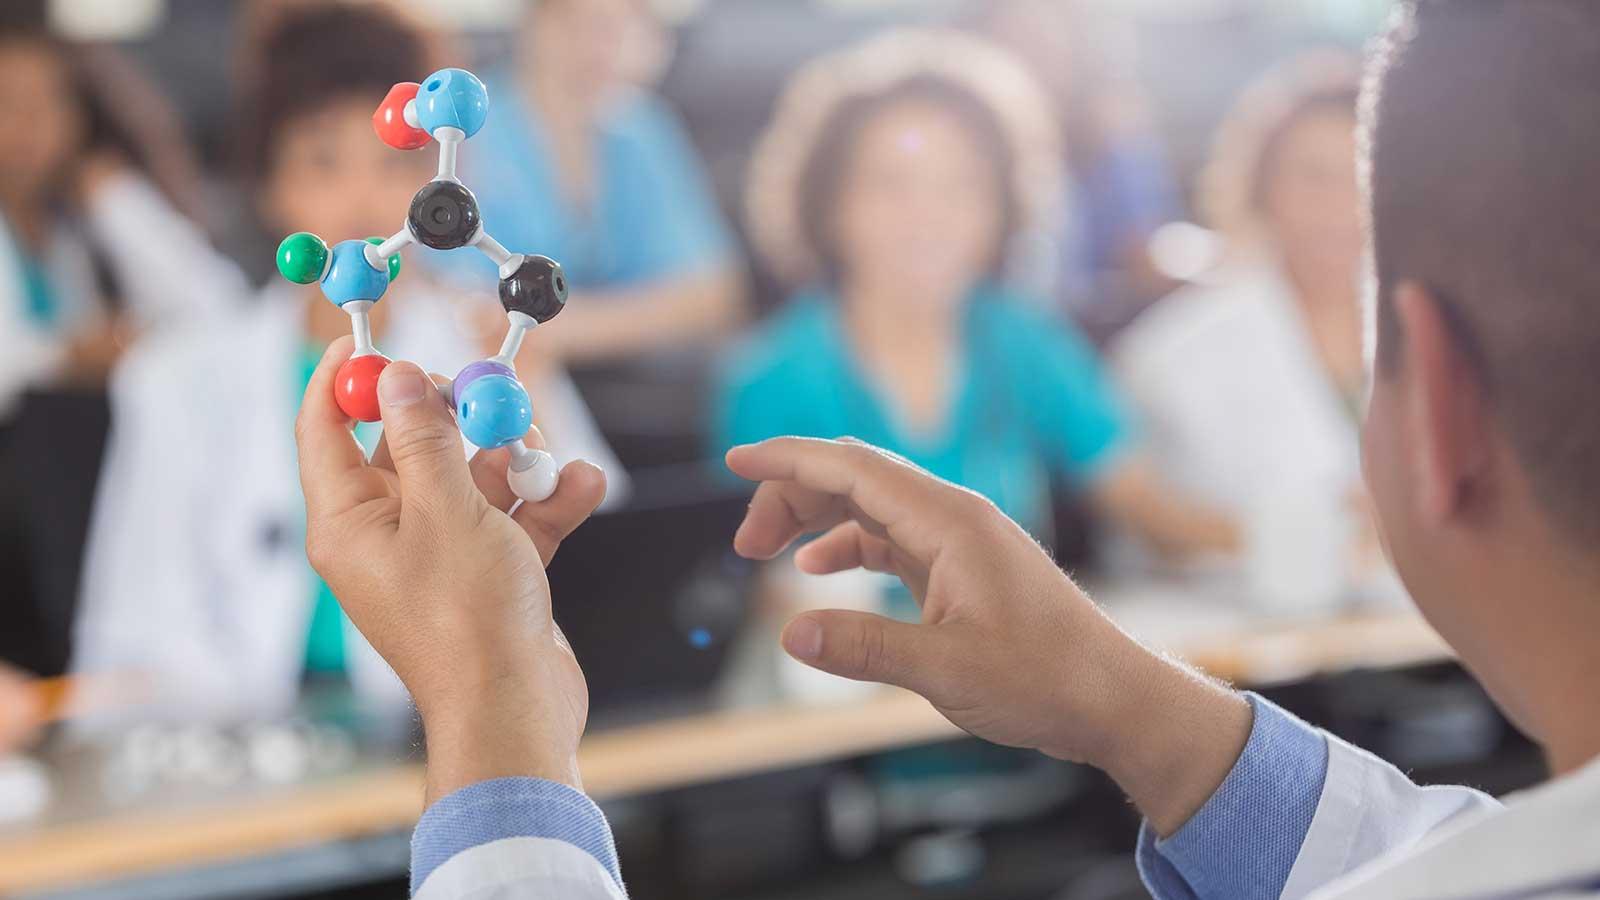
[{"x": 1445, "y": 412}]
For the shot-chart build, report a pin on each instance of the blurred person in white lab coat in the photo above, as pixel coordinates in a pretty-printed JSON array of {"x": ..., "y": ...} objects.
[
  {"x": 95, "y": 250},
  {"x": 92, "y": 191},
  {"x": 196, "y": 573},
  {"x": 1249, "y": 383}
]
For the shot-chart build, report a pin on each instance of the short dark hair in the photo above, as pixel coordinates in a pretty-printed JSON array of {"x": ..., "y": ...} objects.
[
  {"x": 822, "y": 177},
  {"x": 1482, "y": 159},
  {"x": 316, "y": 54}
]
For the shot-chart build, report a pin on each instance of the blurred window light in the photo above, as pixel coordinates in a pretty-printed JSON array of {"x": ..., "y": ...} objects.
[
  {"x": 106, "y": 20},
  {"x": 1184, "y": 251},
  {"x": 1355, "y": 17},
  {"x": 1351, "y": 18},
  {"x": 879, "y": 6},
  {"x": 676, "y": 12},
  {"x": 1174, "y": 10},
  {"x": 495, "y": 15},
  {"x": 468, "y": 15}
]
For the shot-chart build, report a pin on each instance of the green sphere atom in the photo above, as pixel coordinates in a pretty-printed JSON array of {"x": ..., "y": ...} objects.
[
  {"x": 302, "y": 257},
  {"x": 394, "y": 261}
]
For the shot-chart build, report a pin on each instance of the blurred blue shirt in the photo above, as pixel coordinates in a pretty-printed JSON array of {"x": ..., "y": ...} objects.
[
  {"x": 1125, "y": 194},
  {"x": 1030, "y": 399},
  {"x": 653, "y": 213}
]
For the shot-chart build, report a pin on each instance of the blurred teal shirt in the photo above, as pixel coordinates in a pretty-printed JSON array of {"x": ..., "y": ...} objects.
[
  {"x": 1031, "y": 400},
  {"x": 654, "y": 214}
]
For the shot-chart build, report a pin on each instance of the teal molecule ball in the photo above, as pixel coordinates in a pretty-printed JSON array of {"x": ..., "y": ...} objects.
[
  {"x": 452, "y": 98},
  {"x": 493, "y": 411},
  {"x": 351, "y": 277}
]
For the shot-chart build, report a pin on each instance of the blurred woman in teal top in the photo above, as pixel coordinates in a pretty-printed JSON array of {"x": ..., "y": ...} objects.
[
  {"x": 583, "y": 164},
  {"x": 1026, "y": 398},
  {"x": 894, "y": 178}
]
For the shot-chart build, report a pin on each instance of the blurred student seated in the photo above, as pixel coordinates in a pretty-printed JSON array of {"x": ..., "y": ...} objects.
[
  {"x": 1250, "y": 382},
  {"x": 95, "y": 250},
  {"x": 890, "y": 184},
  {"x": 196, "y": 576},
  {"x": 582, "y": 163},
  {"x": 1120, "y": 183}
]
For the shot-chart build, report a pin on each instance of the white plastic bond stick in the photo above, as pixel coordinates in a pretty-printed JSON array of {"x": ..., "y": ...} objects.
[
  {"x": 394, "y": 244},
  {"x": 512, "y": 263},
  {"x": 361, "y": 327},
  {"x": 449, "y": 142},
  {"x": 521, "y": 324},
  {"x": 521, "y": 456},
  {"x": 491, "y": 248}
]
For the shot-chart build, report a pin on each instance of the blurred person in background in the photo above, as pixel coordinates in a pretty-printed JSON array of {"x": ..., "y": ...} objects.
[
  {"x": 891, "y": 181},
  {"x": 196, "y": 572},
  {"x": 1120, "y": 183},
  {"x": 1250, "y": 383},
  {"x": 95, "y": 249},
  {"x": 583, "y": 164}
]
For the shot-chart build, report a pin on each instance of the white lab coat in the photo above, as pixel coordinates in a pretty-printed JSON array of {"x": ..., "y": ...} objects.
[
  {"x": 195, "y": 570},
  {"x": 165, "y": 266},
  {"x": 1233, "y": 398},
  {"x": 1375, "y": 836},
  {"x": 1236, "y": 411}
]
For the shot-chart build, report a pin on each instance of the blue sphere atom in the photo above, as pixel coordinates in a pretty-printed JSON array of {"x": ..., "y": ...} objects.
[
  {"x": 494, "y": 410},
  {"x": 351, "y": 277},
  {"x": 453, "y": 98}
]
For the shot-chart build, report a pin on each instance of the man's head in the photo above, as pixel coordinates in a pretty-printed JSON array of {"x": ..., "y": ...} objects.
[{"x": 1482, "y": 448}]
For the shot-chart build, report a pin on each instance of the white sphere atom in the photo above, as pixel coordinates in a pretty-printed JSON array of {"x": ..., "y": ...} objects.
[{"x": 536, "y": 482}]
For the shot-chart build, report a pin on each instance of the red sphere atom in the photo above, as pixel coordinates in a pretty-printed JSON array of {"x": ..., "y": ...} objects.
[
  {"x": 390, "y": 119},
  {"x": 355, "y": 388}
]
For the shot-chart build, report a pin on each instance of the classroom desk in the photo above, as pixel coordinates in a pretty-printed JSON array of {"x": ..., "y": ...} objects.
[{"x": 660, "y": 755}]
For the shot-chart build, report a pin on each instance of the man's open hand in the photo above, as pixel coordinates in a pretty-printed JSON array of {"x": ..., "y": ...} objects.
[{"x": 1008, "y": 647}]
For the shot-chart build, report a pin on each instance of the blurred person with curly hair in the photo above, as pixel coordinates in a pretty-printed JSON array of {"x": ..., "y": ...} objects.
[{"x": 892, "y": 186}]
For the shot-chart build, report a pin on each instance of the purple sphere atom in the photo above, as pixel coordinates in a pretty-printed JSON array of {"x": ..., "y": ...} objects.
[{"x": 473, "y": 372}]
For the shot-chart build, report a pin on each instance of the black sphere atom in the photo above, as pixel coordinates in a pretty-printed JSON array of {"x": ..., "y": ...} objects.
[
  {"x": 538, "y": 288},
  {"x": 444, "y": 215}
]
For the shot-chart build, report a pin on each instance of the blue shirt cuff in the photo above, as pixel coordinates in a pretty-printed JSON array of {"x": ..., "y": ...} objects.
[
  {"x": 507, "y": 808},
  {"x": 1243, "y": 842}
]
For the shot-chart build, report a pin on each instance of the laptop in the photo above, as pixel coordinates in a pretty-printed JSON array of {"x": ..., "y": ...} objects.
[{"x": 651, "y": 596}]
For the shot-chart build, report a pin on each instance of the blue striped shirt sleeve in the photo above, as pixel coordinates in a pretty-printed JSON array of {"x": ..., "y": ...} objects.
[
  {"x": 1243, "y": 842},
  {"x": 509, "y": 808}
]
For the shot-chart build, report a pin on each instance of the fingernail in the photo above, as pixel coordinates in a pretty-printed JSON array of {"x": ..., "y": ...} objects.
[
  {"x": 402, "y": 387},
  {"x": 803, "y": 639}
]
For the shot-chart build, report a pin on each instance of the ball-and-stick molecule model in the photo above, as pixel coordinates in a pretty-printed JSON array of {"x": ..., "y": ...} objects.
[{"x": 491, "y": 404}]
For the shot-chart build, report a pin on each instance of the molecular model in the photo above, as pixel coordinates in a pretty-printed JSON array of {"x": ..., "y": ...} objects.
[{"x": 491, "y": 404}]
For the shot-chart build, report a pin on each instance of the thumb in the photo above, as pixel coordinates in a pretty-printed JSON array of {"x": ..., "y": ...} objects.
[
  {"x": 866, "y": 647},
  {"x": 423, "y": 439}
]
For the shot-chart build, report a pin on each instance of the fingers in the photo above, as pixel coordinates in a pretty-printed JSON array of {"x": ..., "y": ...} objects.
[
  {"x": 328, "y": 452},
  {"x": 821, "y": 483},
  {"x": 578, "y": 494},
  {"x": 847, "y": 546},
  {"x": 424, "y": 442},
  {"x": 782, "y": 511},
  {"x": 490, "y": 467},
  {"x": 381, "y": 457},
  {"x": 867, "y": 647}
]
